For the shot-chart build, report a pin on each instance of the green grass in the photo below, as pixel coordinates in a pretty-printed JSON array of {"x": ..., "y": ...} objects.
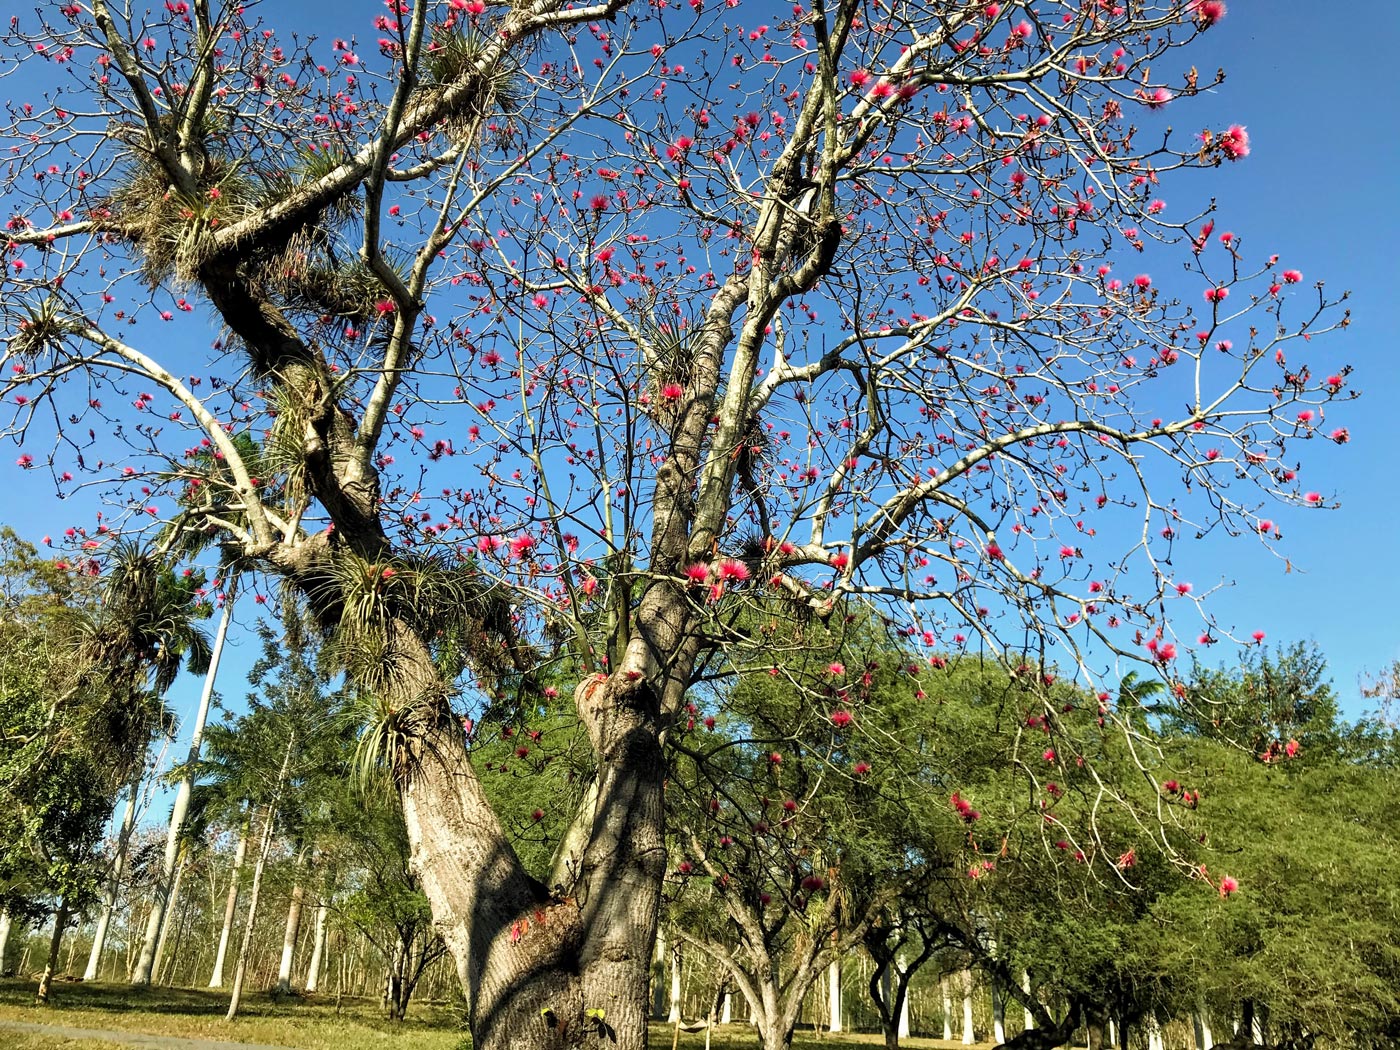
[{"x": 306, "y": 1024}]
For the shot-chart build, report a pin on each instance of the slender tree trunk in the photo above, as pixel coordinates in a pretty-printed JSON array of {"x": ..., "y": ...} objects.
[
  {"x": 5, "y": 925},
  {"x": 998, "y": 1014},
  {"x": 1205, "y": 1038},
  {"x": 674, "y": 1013},
  {"x": 175, "y": 887},
  {"x": 1029, "y": 1020},
  {"x": 833, "y": 994},
  {"x": 902, "y": 994},
  {"x": 161, "y": 894},
  {"x": 230, "y": 906},
  {"x": 60, "y": 920},
  {"x": 289, "y": 940},
  {"x": 660, "y": 972},
  {"x": 313, "y": 971},
  {"x": 946, "y": 989},
  {"x": 99, "y": 937},
  {"x": 968, "y": 1035},
  {"x": 269, "y": 821}
]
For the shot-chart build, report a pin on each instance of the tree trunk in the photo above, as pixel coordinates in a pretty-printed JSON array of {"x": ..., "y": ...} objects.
[
  {"x": 944, "y": 986},
  {"x": 1029, "y": 1020},
  {"x": 60, "y": 920},
  {"x": 230, "y": 906},
  {"x": 5, "y": 925},
  {"x": 173, "y": 908},
  {"x": 1205, "y": 1038},
  {"x": 660, "y": 972},
  {"x": 968, "y": 1035},
  {"x": 833, "y": 994},
  {"x": 674, "y": 1013},
  {"x": 99, "y": 937},
  {"x": 998, "y": 1014},
  {"x": 318, "y": 948},
  {"x": 155, "y": 924},
  {"x": 269, "y": 822},
  {"x": 289, "y": 938}
]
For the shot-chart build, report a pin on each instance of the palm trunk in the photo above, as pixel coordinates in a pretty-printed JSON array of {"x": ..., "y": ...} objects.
[
  {"x": 833, "y": 995},
  {"x": 155, "y": 924},
  {"x": 60, "y": 920},
  {"x": 968, "y": 1035},
  {"x": 289, "y": 939},
  {"x": 230, "y": 907},
  {"x": 99, "y": 938},
  {"x": 318, "y": 948},
  {"x": 674, "y": 1013},
  {"x": 943, "y": 986}
]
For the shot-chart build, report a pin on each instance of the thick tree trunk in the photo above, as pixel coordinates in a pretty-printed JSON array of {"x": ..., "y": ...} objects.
[
  {"x": 104, "y": 919},
  {"x": 60, "y": 920},
  {"x": 289, "y": 938},
  {"x": 230, "y": 907},
  {"x": 160, "y": 904},
  {"x": 318, "y": 948}
]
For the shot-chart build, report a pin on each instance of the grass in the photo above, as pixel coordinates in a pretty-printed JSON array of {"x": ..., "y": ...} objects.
[{"x": 305, "y": 1024}]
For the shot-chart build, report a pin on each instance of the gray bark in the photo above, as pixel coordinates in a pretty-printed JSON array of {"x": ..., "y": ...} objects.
[
  {"x": 318, "y": 948},
  {"x": 289, "y": 940},
  {"x": 5, "y": 925},
  {"x": 99, "y": 938},
  {"x": 60, "y": 920}
]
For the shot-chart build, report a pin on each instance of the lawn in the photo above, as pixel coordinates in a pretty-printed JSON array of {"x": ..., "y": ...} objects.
[{"x": 305, "y": 1024}]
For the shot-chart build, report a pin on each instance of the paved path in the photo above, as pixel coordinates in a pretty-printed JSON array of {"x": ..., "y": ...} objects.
[{"x": 141, "y": 1039}]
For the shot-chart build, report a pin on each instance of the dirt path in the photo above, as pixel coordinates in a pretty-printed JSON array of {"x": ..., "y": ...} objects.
[{"x": 141, "y": 1039}]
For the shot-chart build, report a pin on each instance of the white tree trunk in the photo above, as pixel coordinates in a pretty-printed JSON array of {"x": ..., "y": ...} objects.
[
  {"x": 174, "y": 906},
  {"x": 998, "y": 1013},
  {"x": 5, "y": 924},
  {"x": 968, "y": 1036},
  {"x": 902, "y": 1024},
  {"x": 1026, "y": 987},
  {"x": 161, "y": 897},
  {"x": 1205, "y": 1039},
  {"x": 947, "y": 1010},
  {"x": 99, "y": 937},
  {"x": 230, "y": 908},
  {"x": 658, "y": 970},
  {"x": 318, "y": 949},
  {"x": 675, "y": 1011},
  {"x": 726, "y": 1010},
  {"x": 833, "y": 994},
  {"x": 289, "y": 940}
]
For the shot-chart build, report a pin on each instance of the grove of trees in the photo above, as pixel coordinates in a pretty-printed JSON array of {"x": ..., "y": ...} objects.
[{"x": 718, "y": 462}]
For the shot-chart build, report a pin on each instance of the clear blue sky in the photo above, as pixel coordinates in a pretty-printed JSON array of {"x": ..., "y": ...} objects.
[{"x": 1319, "y": 188}]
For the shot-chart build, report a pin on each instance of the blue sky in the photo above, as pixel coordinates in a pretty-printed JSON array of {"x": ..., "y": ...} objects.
[{"x": 1318, "y": 188}]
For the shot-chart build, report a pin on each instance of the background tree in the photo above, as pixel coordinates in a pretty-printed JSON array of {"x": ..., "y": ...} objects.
[{"x": 848, "y": 329}]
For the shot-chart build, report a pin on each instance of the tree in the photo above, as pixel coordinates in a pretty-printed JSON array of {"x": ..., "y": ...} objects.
[{"x": 824, "y": 308}]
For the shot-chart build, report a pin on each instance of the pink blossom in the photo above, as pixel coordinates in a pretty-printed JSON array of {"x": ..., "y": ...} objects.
[
  {"x": 836, "y": 669},
  {"x": 1183, "y": 588},
  {"x": 840, "y": 717},
  {"x": 697, "y": 574},
  {"x": 731, "y": 570},
  {"x": 1208, "y": 12},
  {"x": 1228, "y": 886},
  {"x": 521, "y": 546},
  {"x": 1258, "y": 637},
  {"x": 1143, "y": 280},
  {"x": 1292, "y": 748},
  {"x": 1234, "y": 142},
  {"x": 861, "y": 768},
  {"x": 672, "y": 391},
  {"x": 1216, "y": 295},
  {"x": 1292, "y": 276},
  {"x": 1049, "y": 755}
]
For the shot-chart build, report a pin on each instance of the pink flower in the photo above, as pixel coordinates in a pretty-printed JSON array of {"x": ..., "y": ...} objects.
[
  {"x": 860, "y": 768},
  {"x": 1234, "y": 143},
  {"x": 1313, "y": 497},
  {"x": 1049, "y": 755},
  {"x": 521, "y": 546},
  {"x": 839, "y": 561},
  {"x": 26, "y": 461},
  {"x": 812, "y": 883},
  {"x": 1208, "y": 12},
  {"x": 672, "y": 391},
  {"x": 860, "y": 78},
  {"x": 1292, "y": 276},
  {"x": 732, "y": 571},
  {"x": 1216, "y": 295},
  {"x": 697, "y": 574},
  {"x": 1183, "y": 588},
  {"x": 1228, "y": 886},
  {"x": 1142, "y": 280},
  {"x": 1258, "y": 637},
  {"x": 1291, "y": 749},
  {"x": 836, "y": 670},
  {"x": 840, "y": 717}
]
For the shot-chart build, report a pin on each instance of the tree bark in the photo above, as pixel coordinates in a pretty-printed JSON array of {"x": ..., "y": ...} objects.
[
  {"x": 318, "y": 948},
  {"x": 99, "y": 937},
  {"x": 216, "y": 980},
  {"x": 968, "y": 1035},
  {"x": 6, "y": 924},
  {"x": 945, "y": 988},
  {"x": 160, "y": 902},
  {"x": 674, "y": 1013},
  {"x": 289, "y": 938},
  {"x": 60, "y": 920},
  {"x": 174, "y": 904},
  {"x": 833, "y": 995}
]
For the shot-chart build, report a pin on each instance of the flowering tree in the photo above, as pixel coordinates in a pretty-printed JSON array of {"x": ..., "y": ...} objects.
[{"x": 662, "y": 310}]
